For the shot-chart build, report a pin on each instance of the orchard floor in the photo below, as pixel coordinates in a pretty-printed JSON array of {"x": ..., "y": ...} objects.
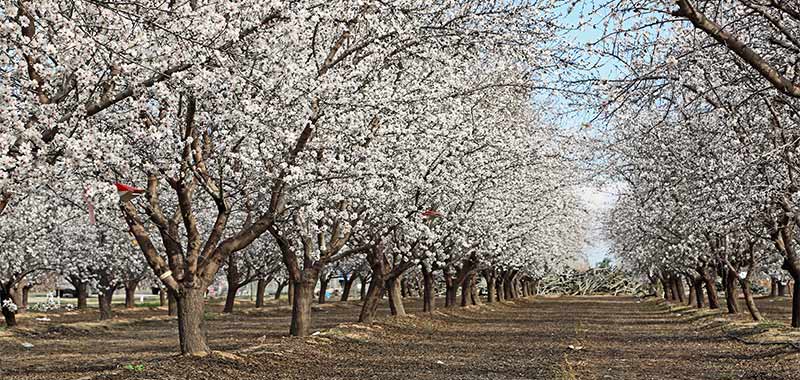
[{"x": 613, "y": 337}]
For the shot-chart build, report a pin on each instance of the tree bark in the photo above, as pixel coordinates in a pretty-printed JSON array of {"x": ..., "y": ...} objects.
[
  {"x": 291, "y": 292},
  {"x": 301, "y": 304},
  {"x": 279, "y": 290},
  {"x": 429, "y": 290},
  {"x": 773, "y": 288},
  {"x": 25, "y": 293},
  {"x": 362, "y": 292},
  {"x": 371, "y": 299},
  {"x": 104, "y": 297},
  {"x": 698, "y": 291},
  {"x": 730, "y": 292},
  {"x": 348, "y": 287},
  {"x": 130, "y": 294},
  {"x": 323, "y": 287},
  {"x": 796, "y": 303},
  {"x": 490, "y": 285},
  {"x": 782, "y": 288},
  {"x": 667, "y": 290},
  {"x": 500, "y": 285},
  {"x": 81, "y": 291},
  {"x": 395, "y": 286},
  {"x": 473, "y": 290},
  {"x": 191, "y": 322},
  {"x": 162, "y": 297},
  {"x": 172, "y": 300},
  {"x": 230, "y": 297},
  {"x": 748, "y": 300},
  {"x": 692, "y": 289},
  {"x": 261, "y": 287},
  {"x": 465, "y": 301}
]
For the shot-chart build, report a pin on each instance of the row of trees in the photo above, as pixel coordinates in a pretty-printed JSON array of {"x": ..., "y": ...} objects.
[
  {"x": 324, "y": 136},
  {"x": 704, "y": 139}
]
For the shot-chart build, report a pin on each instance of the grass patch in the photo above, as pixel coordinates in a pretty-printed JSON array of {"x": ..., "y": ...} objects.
[{"x": 134, "y": 367}]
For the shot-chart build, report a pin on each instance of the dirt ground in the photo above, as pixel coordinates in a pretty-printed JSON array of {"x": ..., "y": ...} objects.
[{"x": 610, "y": 338}]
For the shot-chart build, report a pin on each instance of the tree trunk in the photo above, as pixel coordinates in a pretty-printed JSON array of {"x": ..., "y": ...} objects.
[
  {"x": 395, "y": 286},
  {"x": 677, "y": 288},
  {"x": 25, "y": 293},
  {"x": 173, "y": 303},
  {"x": 347, "y": 287},
  {"x": 698, "y": 291},
  {"x": 362, "y": 292},
  {"x": 748, "y": 300},
  {"x": 730, "y": 292},
  {"x": 429, "y": 290},
  {"x": 773, "y": 287},
  {"x": 279, "y": 290},
  {"x": 500, "y": 288},
  {"x": 490, "y": 286},
  {"x": 323, "y": 287},
  {"x": 473, "y": 290},
  {"x": 230, "y": 297},
  {"x": 667, "y": 290},
  {"x": 692, "y": 295},
  {"x": 81, "y": 291},
  {"x": 711, "y": 290},
  {"x": 303, "y": 291},
  {"x": 291, "y": 292},
  {"x": 465, "y": 291},
  {"x": 451, "y": 290},
  {"x": 104, "y": 297},
  {"x": 782, "y": 288},
  {"x": 404, "y": 289},
  {"x": 162, "y": 297},
  {"x": 796, "y": 303},
  {"x": 130, "y": 294},
  {"x": 371, "y": 299},
  {"x": 191, "y": 322},
  {"x": 261, "y": 287}
]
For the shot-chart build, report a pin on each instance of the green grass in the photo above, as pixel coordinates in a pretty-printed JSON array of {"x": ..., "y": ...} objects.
[{"x": 134, "y": 367}]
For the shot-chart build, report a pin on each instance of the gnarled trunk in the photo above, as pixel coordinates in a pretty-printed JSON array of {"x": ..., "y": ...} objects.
[
  {"x": 395, "y": 287},
  {"x": 371, "y": 299},
  {"x": 191, "y": 322},
  {"x": 303, "y": 294},
  {"x": 748, "y": 299}
]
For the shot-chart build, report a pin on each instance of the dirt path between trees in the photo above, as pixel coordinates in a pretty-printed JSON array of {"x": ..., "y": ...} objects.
[{"x": 611, "y": 338}]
